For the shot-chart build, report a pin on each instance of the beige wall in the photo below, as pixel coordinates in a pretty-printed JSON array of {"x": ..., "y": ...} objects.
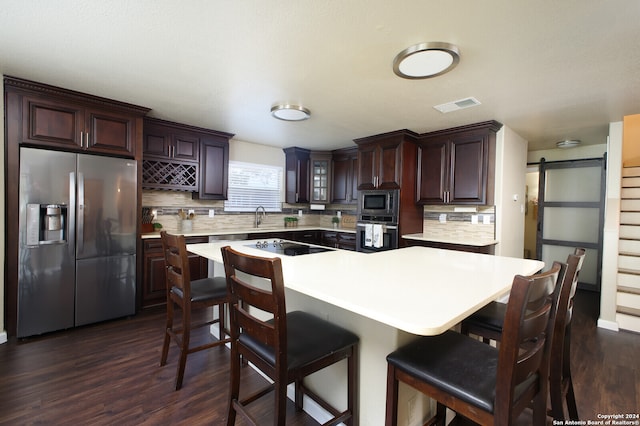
[{"x": 511, "y": 167}]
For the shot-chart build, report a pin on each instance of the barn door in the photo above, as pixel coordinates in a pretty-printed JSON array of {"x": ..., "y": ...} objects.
[{"x": 571, "y": 214}]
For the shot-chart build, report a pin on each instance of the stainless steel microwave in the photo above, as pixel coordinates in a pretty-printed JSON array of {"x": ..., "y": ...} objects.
[{"x": 377, "y": 202}]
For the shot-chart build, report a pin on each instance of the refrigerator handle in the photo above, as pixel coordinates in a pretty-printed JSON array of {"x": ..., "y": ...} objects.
[{"x": 80, "y": 214}]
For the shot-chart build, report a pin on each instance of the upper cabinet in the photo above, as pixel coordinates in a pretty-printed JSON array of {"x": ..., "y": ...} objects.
[
  {"x": 344, "y": 182},
  {"x": 320, "y": 177},
  {"x": 185, "y": 158},
  {"x": 457, "y": 166},
  {"x": 297, "y": 175},
  {"x": 214, "y": 168},
  {"x": 72, "y": 121},
  {"x": 381, "y": 159}
]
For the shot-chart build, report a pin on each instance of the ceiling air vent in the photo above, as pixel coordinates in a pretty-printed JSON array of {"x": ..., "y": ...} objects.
[{"x": 456, "y": 105}]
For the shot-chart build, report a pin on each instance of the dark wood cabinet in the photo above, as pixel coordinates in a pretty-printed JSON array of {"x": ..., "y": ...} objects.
[
  {"x": 296, "y": 175},
  {"x": 320, "y": 171},
  {"x": 214, "y": 168},
  {"x": 154, "y": 274},
  {"x": 381, "y": 159},
  {"x": 185, "y": 158},
  {"x": 338, "y": 239},
  {"x": 457, "y": 166},
  {"x": 72, "y": 121},
  {"x": 307, "y": 236},
  {"x": 344, "y": 176}
]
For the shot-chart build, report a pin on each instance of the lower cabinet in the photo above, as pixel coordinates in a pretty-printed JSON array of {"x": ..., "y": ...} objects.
[
  {"x": 341, "y": 240},
  {"x": 154, "y": 276},
  {"x": 490, "y": 249}
]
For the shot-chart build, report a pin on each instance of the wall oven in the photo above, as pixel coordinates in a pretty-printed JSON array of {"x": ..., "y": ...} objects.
[{"x": 377, "y": 220}]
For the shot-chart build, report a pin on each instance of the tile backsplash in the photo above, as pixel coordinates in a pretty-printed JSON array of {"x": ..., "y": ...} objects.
[
  {"x": 166, "y": 204},
  {"x": 457, "y": 223}
]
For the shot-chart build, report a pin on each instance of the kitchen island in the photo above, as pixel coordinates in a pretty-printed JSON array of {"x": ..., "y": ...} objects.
[{"x": 387, "y": 298}]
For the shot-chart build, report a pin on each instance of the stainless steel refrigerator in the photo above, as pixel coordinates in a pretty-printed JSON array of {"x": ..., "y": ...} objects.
[{"x": 77, "y": 249}]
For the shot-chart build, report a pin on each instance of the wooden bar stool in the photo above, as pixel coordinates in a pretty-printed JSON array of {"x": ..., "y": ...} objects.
[
  {"x": 488, "y": 322},
  {"x": 482, "y": 383},
  {"x": 286, "y": 347},
  {"x": 188, "y": 296}
]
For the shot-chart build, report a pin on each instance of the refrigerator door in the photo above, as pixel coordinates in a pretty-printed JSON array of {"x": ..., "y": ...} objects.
[
  {"x": 106, "y": 288},
  {"x": 46, "y": 272},
  {"x": 107, "y": 196},
  {"x": 106, "y": 239}
]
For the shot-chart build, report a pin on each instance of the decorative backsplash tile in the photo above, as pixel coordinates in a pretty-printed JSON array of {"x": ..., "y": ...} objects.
[
  {"x": 166, "y": 205},
  {"x": 446, "y": 222}
]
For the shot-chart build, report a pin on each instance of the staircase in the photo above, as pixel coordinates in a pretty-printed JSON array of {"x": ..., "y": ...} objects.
[{"x": 628, "y": 296}]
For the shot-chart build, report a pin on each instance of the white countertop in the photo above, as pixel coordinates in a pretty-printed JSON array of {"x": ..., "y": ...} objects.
[
  {"x": 466, "y": 241},
  {"x": 250, "y": 231},
  {"x": 419, "y": 290}
]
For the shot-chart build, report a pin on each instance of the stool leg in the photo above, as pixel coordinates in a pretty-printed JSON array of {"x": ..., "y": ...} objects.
[
  {"x": 392, "y": 397},
  {"x": 352, "y": 387},
  {"x": 167, "y": 336}
]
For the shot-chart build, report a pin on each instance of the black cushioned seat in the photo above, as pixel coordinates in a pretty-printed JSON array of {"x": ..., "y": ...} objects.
[
  {"x": 205, "y": 288},
  {"x": 309, "y": 339},
  {"x": 442, "y": 361}
]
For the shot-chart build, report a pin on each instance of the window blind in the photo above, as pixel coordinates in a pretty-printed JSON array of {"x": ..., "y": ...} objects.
[{"x": 252, "y": 185}]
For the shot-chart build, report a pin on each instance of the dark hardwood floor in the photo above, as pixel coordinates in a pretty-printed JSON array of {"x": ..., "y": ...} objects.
[{"x": 109, "y": 374}]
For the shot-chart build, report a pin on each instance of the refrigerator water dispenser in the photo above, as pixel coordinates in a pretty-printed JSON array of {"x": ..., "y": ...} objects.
[{"x": 46, "y": 224}]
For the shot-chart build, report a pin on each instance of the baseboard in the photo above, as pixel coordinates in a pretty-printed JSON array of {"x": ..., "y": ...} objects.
[
  {"x": 608, "y": 325},
  {"x": 3, "y": 337}
]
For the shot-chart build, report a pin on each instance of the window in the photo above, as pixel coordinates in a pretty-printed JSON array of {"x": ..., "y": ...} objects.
[{"x": 253, "y": 185}]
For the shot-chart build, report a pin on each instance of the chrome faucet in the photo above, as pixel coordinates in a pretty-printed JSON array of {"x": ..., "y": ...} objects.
[{"x": 264, "y": 213}]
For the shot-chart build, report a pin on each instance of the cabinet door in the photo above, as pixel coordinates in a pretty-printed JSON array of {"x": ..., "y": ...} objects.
[
  {"x": 344, "y": 179},
  {"x": 468, "y": 174},
  {"x": 156, "y": 142},
  {"x": 433, "y": 171},
  {"x": 297, "y": 175},
  {"x": 185, "y": 147},
  {"x": 52, "y": 123},
  {"x": 154, "y": 290},
  {"x": 320, "y": 174},
  {"x": 110, "y": 132},
  {"x": 214, "y": 169},
  {"x": 389, "y": 165},
  {"x": 367, "y": 166},
  {"x": 154, "y": 287},
  {"x": 347, "y": 241},
  {"x": 330, "y": 238}
]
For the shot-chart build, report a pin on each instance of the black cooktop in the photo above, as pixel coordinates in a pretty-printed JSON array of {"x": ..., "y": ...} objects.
[{"x": 288, "y": 248}]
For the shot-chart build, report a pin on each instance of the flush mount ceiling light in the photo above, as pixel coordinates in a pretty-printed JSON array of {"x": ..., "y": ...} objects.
[
  {"x": 290, "y": 112},
  {"x": 426, "y": 60},
  {"x": 568, "y": 143}
]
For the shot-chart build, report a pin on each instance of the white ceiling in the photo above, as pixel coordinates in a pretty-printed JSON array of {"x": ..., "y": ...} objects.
[{"x": 548, "y": 69}]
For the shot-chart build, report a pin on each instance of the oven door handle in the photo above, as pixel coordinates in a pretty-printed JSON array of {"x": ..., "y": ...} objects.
[{"x": 362, "y": 225}]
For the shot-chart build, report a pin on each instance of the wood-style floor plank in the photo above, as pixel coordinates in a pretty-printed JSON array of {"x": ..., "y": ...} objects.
[{"x": 109, "y": 373}]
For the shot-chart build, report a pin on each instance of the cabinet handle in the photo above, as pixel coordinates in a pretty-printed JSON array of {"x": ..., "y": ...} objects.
[
  {"x": 87, "y": 140},
  {"x": 81, "y": 139}
]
